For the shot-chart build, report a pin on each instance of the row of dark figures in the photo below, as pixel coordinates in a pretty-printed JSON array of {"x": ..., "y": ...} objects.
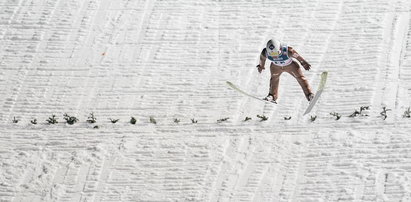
[{"x": 92, "y": 119}]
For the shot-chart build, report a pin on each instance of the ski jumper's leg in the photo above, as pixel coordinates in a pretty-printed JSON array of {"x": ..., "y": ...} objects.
[
  {"x": 295, "y": 70},
  {"x": 275, "y": 79}
]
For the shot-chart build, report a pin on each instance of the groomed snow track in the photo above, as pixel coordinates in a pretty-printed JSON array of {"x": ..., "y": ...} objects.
[{"x": 170, "y": 60}]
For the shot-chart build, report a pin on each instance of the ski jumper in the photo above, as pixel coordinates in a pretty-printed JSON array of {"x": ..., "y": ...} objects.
[{"x": 284, "y": 63}]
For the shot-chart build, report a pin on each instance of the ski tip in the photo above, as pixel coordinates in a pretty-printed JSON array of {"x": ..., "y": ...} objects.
[{"x": 230, "y": 84}]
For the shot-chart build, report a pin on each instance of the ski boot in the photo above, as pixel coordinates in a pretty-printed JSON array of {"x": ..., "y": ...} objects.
[
  {"x": 270, "y": 98},
  {"x": 310, "y": 97}
]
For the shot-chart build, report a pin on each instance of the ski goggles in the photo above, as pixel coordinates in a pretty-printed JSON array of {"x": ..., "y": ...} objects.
[{"x": 274, "y": 53}]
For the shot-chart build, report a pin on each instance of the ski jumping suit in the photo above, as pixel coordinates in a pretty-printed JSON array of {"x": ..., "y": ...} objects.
[{"x": 284, "y": 63}]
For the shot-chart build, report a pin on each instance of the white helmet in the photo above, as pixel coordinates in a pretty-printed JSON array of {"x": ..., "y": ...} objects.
[{"x": 273, "y": 48}]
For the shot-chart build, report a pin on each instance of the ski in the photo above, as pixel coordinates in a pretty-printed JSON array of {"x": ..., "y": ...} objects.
[
  {"x": 247, "y": 94},
  {"x": 318, "y": 94}
]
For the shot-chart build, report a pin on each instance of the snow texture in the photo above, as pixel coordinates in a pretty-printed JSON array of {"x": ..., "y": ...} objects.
[{"x": 166, "y": 60}]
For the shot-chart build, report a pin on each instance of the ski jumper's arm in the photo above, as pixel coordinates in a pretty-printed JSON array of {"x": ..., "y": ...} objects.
[
  {"x": 300, "y": 59},
  {"x": 261, "y": 64}
]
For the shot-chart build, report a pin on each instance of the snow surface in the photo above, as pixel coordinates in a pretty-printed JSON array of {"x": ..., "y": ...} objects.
[{"x": 170, "y": 60}]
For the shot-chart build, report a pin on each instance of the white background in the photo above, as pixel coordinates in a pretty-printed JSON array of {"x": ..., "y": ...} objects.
[{"x": 170, "y": 60}]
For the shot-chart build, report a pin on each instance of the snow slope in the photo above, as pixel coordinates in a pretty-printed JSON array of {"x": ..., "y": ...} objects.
[{"x": 170, "y": 60}]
